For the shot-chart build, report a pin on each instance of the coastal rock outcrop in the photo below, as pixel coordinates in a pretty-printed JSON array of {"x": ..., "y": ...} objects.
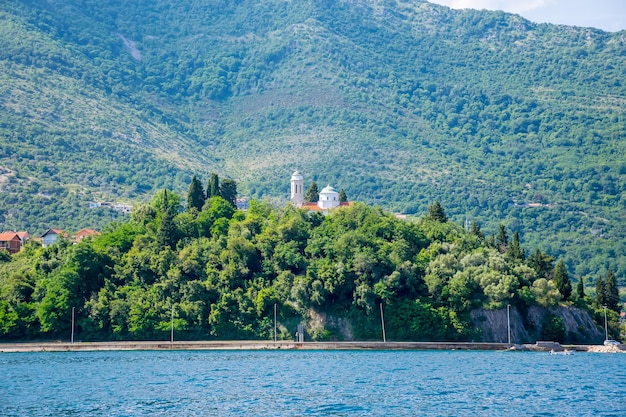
[{"x": 565, "y": 324}]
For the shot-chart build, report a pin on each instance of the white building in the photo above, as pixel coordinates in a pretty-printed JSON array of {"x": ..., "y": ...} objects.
[
  {"x": 297, "y": 189},
  {"x": 328, "y": 197}
]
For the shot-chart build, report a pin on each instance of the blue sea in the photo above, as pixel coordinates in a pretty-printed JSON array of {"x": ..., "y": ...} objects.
[{"x": 311, "y": 383}]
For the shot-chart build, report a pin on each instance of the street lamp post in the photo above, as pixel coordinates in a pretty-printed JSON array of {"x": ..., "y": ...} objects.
[
  {"x": 508, "y": 321},
  {"x": 274, "y": 322},
  {"x": 172, "y": 332},
  {"x": 606, "y": 326},
  {"x": 73, "y": 321},
  {"x": 382, "y": 320}
]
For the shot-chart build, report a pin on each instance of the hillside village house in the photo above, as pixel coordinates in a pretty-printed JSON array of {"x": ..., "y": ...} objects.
[
  {"x": 83, "y": 233},
  {"x": 328, "y": 197},
  {"x": 51, "y": 236},
  {"x": 12, "y": 242}
]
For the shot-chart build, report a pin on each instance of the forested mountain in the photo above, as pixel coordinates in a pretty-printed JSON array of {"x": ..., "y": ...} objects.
[{"x": 400, "y": 103}]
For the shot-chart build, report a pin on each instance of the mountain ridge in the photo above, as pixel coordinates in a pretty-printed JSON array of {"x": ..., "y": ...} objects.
[{"x": 401, "y": 103}]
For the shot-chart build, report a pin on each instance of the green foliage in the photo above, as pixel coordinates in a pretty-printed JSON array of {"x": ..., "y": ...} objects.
[
  {"x": 553, "y": 328},
  {"x": 312, "y": 194},
  {"x": 562, "y": 281},
  {"x": 228, "y": 191},
  {"x": 213, "y": 187},
  {"x": 222, "y": 271},
  {"x": 611, "y": 292},
  {"x": 437, "y": 213},
  {"x": 195, "y": 195},
  {"x": 362, "y": 95},
  {"x": 580, "y": 288}
]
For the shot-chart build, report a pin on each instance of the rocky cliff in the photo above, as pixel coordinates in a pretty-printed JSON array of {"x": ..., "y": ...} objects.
[{"x": 562, "y": 324}]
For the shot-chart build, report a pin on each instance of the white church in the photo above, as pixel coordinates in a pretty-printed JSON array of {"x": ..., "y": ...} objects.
[{"x": 328, "y": 197}]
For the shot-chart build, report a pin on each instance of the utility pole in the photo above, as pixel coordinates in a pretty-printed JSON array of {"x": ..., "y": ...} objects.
[
  {"x": 508, "y": 320},
  {"x": 73, "y": 321},
  {"x": 382, "y": 320},
  {"x": 606, "y": 326},
  {"x": 275, "y": 323},
  {"x": 172, "y": 332}
]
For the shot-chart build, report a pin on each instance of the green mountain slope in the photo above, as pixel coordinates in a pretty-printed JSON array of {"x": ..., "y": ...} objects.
[{"x": 398, "y": 102}]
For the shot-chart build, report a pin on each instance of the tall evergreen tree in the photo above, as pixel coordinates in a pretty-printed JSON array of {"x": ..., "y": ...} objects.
[
  {"x": 213, "y": 187},
  {"x": 195, "y": 195},
  {"x": 611, "y": 291},
  {"x": 561, "y": 280},
  {"x": 437, "y": 213},
  {"x": 541, "y": 263},
  {"x": 343, "y": 198},
  {"x": 600, "y": 292},
  {"x": 166, "y": 231},
  {"x": 475, "y": 230},
  {"x": 228, "y": 191},
  {"x": 312, "y": 194},
  {"x": 502, "y": 239},
  {"x": 580, "y": 288},
  {"x": 515, "y": 251}
]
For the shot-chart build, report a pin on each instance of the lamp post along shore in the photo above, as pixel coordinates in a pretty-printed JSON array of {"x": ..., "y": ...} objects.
[
  {"x": 382, "y": 321},
  {"x": 508, "y": 321},
  {"x": 606, "y": 326},
  {"x": 275, "y": 338},
  {"x": 172, "y": 331},
  {"x": 73, "y": 321}
]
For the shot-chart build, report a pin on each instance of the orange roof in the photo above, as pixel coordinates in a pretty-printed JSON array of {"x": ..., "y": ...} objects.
[
  {"x": 315, "y": 207},
  {"x": 6, "y": 236},
  {"x": 83, "y": 233}
]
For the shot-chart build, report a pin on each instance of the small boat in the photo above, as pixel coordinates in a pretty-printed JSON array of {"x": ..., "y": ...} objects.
[{"x": 561, "y": 352}]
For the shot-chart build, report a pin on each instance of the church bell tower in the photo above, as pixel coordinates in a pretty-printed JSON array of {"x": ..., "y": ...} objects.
[{"x": 297, "y": 192}]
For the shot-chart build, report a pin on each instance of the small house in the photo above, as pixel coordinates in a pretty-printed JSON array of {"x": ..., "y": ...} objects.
[{"x": 51, "y": 236}]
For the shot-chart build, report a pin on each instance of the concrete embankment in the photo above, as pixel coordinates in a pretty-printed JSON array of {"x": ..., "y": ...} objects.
[
  {"x": 244, "y": 345},
  {"x": 290, "y": 345}
]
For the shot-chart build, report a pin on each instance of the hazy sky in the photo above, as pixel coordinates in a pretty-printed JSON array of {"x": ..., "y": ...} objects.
[{"x": 609, "y": 15}]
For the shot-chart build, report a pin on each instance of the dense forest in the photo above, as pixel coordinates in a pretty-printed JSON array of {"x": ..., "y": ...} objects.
[
  {"x": 400, "y": 103},
  {"x": 208, "y": 270}
]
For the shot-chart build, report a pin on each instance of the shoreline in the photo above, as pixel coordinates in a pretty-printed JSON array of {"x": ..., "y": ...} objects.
[{"x": 287, "y": 345}]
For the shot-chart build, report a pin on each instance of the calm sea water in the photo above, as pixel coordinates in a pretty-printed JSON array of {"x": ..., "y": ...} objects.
[{"x": 312, "y": 383}]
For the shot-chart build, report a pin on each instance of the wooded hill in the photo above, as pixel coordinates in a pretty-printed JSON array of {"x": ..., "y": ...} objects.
[
  {"x": 214, "y": 272},
  {"x": 400, "y": 103}
]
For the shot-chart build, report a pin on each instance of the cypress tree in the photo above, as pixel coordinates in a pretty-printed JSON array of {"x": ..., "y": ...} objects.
[
  {"x": 475, "y": 230},
  {"x": 561, "y": 280},
  {"x": 195, "y": 195},
  {"x": 342, "y": 196},
  {"x": 541, "y": 263},
  {"x": 213, "y": 187},
  {"x": 600, "y": 292},
  {"x": 228, "y": 191},
  {"x": 515, "y": 251},
  {"x": 580, "y": 288},
  {"x": 611, "y": 292},
  {"x": 312, "y": 194},
  {"x": 502, "y": 239},
  {"x": 437, "y": 213}
]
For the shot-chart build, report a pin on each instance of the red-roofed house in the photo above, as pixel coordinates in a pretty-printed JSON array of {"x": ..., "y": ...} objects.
[
  {"x": 24, "y": 236},
  {"x": 83, "y": 233},
  {"x": 10, "y": 242}
]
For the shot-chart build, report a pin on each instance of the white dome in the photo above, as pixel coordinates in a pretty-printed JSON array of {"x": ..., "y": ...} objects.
[{"x": 328, "y": 189}]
